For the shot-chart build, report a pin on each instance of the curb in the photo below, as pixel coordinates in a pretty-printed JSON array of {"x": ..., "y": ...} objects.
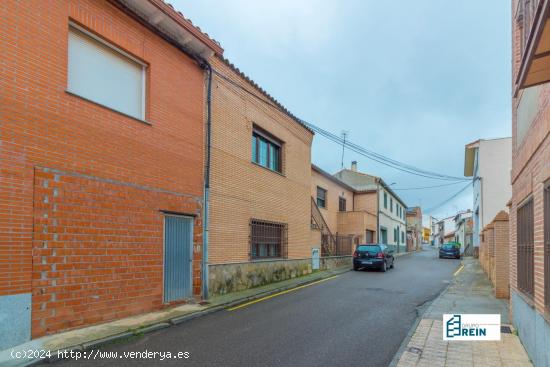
[{"x": 173, "y": 321}]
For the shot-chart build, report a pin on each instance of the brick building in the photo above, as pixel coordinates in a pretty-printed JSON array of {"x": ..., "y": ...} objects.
[
  {"x": 260, "y": 202},
  {"x": 101, "y": 161},
  {"x": 530, "y": 204},
  {"x": 348, "y": 214}
]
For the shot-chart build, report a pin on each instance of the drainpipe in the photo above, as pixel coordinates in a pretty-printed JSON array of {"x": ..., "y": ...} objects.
[{"x": 205, "y": 221}]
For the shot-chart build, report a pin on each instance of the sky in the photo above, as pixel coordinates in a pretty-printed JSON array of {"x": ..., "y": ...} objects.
[{"x": 413, "y": 80}]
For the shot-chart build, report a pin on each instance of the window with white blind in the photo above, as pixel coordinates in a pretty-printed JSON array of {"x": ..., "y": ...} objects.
[{"x": 104, "y": 74}]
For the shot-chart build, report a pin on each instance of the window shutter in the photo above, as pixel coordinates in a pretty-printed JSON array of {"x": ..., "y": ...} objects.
[{"x": 104, "y": 75}]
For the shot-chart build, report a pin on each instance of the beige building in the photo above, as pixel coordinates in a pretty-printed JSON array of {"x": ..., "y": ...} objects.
[
  {"x": 350, "y": 215},
  {"x": 260, "y": 205}
]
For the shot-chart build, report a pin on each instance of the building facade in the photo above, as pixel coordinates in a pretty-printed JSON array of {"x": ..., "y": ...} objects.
[
  {"x": 391, "y": 210},
  {"x": 464, "y": 232},
  {"x": 101, "y": 162},
  {"x": 489, "y": 163},
  {"x": 530, "y": 204},
  {"x": 414, "y": 228},
  {"x": 260, "y": 186},
  {"x": 347, "y": 213}
]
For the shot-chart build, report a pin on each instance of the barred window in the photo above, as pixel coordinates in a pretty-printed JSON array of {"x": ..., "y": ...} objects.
[
  {"x": 268, "y": 239},
  {"x": 525, "y": 248}
]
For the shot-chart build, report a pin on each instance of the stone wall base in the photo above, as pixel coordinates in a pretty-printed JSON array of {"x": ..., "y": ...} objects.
[{"x": 228, "y": 278}]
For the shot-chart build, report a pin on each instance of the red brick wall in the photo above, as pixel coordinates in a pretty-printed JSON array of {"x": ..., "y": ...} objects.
[
  {"x": 501, "y": 261},
  {"x": 132, "y": 169},
  {"x": 530, "y": 172}
]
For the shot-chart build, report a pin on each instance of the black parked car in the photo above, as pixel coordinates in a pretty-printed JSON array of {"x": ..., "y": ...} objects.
[
  {"x": 373, "y": 256},
  {"x": 449, "y": 250}
]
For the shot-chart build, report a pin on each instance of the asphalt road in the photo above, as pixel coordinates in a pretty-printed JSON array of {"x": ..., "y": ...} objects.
[{"x": 357, "y": 318}]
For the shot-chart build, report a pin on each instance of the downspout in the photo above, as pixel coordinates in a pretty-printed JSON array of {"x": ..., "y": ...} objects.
[{"x": 205, "y": 221}]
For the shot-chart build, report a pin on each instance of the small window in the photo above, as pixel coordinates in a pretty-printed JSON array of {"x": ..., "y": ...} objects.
[
  {"x": 391, "y": 205},
  {"x": 402, "y": 237},
  {"x": 266, "y": 152},
  {"x": 104, "y": 74},
  {"x": 267, "y": 239},
  {"x": 342, "y": 204},
  {"x": 385, "y": 200},
  {"x": 321, "y": 197}
]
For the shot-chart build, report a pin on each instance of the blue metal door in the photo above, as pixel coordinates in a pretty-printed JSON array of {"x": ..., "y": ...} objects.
[{"x": 178, "y": 257}]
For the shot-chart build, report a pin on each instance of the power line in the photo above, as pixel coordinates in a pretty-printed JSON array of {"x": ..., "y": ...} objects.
[
  {"x": 353, "y": 147},
  {"x": 383, "y": 159},
  {"x": 448, "y": 199},
  {"x": 429, "y": 187}
]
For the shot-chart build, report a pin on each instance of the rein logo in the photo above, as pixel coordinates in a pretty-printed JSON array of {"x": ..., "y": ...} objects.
[{"x": 471, "y": 327}]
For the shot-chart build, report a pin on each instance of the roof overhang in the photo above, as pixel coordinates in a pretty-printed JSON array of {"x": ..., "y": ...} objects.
[
  {"x": 173, "y": 25},
  {"x": 535, "y": 65}
]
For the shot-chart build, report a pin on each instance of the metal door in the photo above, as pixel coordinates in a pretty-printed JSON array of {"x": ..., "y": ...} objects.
[
  {"x": 178, "y": 257},
  {"x": 315, "y": 260}
]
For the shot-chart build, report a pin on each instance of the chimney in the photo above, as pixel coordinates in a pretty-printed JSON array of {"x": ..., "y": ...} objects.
[{"x": 354, "y": 166}]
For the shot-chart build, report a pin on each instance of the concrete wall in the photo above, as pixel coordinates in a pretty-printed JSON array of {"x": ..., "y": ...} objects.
[
  {"x": 533, "y": 330},
  {"x": 495, "y": 164}
]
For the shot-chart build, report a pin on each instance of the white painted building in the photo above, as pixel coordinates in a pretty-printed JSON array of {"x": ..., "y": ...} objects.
[{"x": 489, "y": 162}]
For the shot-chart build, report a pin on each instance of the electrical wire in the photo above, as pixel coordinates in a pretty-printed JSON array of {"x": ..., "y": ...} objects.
[
  {"x": 427, "y": 187},
  {"x": 353, "y": 147},
  {"x": 448, "y": 199}
]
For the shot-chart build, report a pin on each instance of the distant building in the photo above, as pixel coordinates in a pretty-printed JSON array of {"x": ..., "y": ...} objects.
[
  {"x": 463, "y": 232},
  {"x": 414, "y": 228},
  {"x": 489, "y": 163},
  {"x": 445, "y": 231},
  {"x": 346, "y": 215},
  {"x": 426, "y": 234},
  {"x": 389, "y": 208}
]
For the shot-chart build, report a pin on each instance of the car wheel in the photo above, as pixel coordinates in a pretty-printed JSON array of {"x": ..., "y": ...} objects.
[
  {"x": 441, "y": 257},
  {"x": 355, "y": 268},
  {"x": 384, "y": 267},
  {"x": 392, "y": 266}
]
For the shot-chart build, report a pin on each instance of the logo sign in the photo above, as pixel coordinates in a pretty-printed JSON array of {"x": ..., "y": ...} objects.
[{"x": 471, "y": 327}]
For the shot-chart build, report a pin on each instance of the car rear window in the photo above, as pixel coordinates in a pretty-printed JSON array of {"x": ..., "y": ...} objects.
[
  {"x": 370, "y": 248},
  {"x": 448, "y": 247}
]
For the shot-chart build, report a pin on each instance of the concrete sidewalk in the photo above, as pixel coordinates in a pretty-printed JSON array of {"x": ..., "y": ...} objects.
[{"x": 470, "y": 292}]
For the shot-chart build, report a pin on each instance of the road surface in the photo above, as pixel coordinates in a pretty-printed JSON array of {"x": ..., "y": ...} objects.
[{"x": 357, "y": 318}]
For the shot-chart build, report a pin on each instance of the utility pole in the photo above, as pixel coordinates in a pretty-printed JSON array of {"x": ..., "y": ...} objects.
[{"x": 344, "y": 136}]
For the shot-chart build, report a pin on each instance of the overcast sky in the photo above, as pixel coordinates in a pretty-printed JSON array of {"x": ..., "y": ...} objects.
[{"x": 413, "y": 80}]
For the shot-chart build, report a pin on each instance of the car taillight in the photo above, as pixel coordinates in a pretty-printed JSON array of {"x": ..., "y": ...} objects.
[
  {"x": 380, "y": 255},
  {"x": 355, "y": 254}
]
